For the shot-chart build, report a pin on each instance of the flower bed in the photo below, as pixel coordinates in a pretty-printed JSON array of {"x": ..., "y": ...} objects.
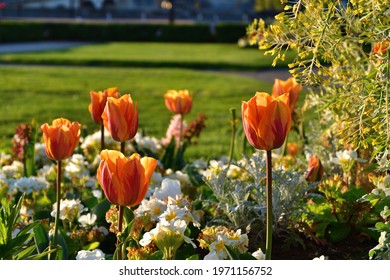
[{"x": 298, "y": 189}]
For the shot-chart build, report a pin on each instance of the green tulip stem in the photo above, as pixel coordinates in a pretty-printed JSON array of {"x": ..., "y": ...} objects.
[
  {"x": 102, "y": 137},
  {"x": 120, "y": 222},
  {"x": 58, "y": 198},
  {"x": 123, "y": 148},
  {"x": 120, "y": 214},
  {"x": 181, "y": 136},
  {"x": 268, "y": 241},
  {"x": 233, "y": 136}
]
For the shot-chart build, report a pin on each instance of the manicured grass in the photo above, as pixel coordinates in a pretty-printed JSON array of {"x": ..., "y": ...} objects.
[
  {"x": 183, "y": 55},
  {"x": 45, "y": 93}
]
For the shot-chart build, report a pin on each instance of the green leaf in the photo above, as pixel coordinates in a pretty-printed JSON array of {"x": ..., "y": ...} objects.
[
  {"x": 91, "y": 202},
  {"x": 128, "y": 215},
  {"x": 383, "y": 226},
  {"x": 24, "y": 254},
  {"x": 338, "y": 232},
  {"x": 247, "y": 256},
  {"x": 158, "y": 255},
  {"x": 29, "y": 227},
  {"x": 354, "y": 194},
  {"x": 41, "y": 238},
  {"x": 42, "y": 255},
  {"x": 101, "y": 209},
  {"x": 126, "y": 231},
  {"x": 193, "y": 258},
  {"x": 63, "y": 252},
  {"x": 232, "y": 253},
  {"x": 91, "y": 246},
  {"x": 169, "y": 155}
]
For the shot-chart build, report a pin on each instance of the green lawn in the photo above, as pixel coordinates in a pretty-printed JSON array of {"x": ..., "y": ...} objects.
[
  {"x": 183, "y": 55},
  {"x": 45, "y": 93}
]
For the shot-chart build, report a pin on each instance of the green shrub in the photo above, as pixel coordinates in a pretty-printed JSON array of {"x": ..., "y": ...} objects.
[
  {"x": 12, "y": 31},
  {"x": 229, "y": 32}
]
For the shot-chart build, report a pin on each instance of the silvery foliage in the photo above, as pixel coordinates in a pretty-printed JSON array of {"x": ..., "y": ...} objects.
[{"x": 244, "y": 201}]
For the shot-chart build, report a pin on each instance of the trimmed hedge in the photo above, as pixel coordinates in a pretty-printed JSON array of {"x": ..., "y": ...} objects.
[
  {"x": 229, "y": 32},
  {"x": 19, "y": 31}
]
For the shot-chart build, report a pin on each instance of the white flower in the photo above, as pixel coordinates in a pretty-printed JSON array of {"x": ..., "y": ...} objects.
[
  {"x": 346, "y": 156},
  {"x": 173, "y": 213},
  {"x": 155, "y": 182},
  {"x": 96, "y": 254},
  {"x": 320, "y": 258},
  {"x": 47, "y": 170},
  {"x": 25, "y": 212},
  {"x": 181, "y": 177},
  {"x": 87, "y": 220},
  {"x": 40, "y": 154},
  {"x": 69, "y": 209},
  {"x": 97, "y": 193},
  {"x": 103, "y": 230},
  {"x": 200, "y": 164},
  {"x": 154, "y": 207},
  {"x": 163, "y": 232},
  {"x": 382, "y": 159},
  {"x": 15, "y": 170},
  {"x": 3, "y": 180},
  {"x": 76, "y": 167},
  {"x": 218, "y": 247},
  {"x": 150, "y": 143},
  {"x": 238, "y": 241},
  {"x": 94, "y": 140},
  {"x": 178, "y": 208},
  {"x": 259, "y": 255},
  {"x": 212, "y": 256},
  {"x": 169, "y": 188},
  {"x": 4, "y": 158},
  {"x": 29, "y": 184}
]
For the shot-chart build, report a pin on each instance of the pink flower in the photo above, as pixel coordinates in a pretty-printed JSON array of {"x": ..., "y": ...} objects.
[{"x": 174, "y": 130}]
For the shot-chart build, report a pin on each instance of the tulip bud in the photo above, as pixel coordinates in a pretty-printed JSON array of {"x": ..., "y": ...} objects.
[
  {"x": 315, "y": 171},
  {"x": 289, "y": 86},
  {"x": 266, "y": 120},
  {"x": 125, "y": 180},
  {"x": 120, "y": 118},
  {"x": 98, "y": 102},
  {"x": 61, "y": 138},
  {"x": 178, "y": 101}
]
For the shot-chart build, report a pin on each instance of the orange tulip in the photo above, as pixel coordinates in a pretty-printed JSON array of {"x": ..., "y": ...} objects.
[
  {"x": 315, "y": 171},
  {"x": 125, "y": 180},
  {"x": 266, "y": 120},
  {"x": 289, "y": 86},
  {"x": 381, "y": 47},
  {"x": 178, "y": 101},
  {"x": 292, "y": 148},
  {"x": 120, "y": 118},
  {"x": 98, "y": 102},
  {"x": 61, "y": 138}
]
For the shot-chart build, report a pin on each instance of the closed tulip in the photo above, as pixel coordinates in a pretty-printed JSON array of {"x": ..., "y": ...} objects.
[
  {"x": 61, "y": 138},
  {"x": 266, "y": 120},
  {"x": 125, "y": 180},
  {"x": 289, "y": 86},
  {"x": 178, "y": 101},
  {"x": 315, "y": 171},
  {"x": 120, "y": 118},
  {"x": 381, "y": 47},
  {"x": 98, "y": 102}
]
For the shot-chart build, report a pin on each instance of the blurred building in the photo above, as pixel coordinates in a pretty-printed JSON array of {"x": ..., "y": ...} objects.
[{"x": 194, "y": 10}]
